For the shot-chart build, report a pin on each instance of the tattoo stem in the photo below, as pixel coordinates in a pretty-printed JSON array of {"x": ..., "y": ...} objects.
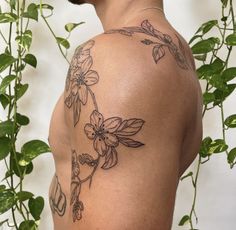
[
  {"x": 93, "y": 98},
  {"x": 91, "y": 175}
]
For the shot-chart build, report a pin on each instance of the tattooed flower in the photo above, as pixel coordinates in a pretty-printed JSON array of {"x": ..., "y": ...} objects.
[
  {"x": 78, "y": 207},
  {"x": 81, "y": 54},
  {"x": 82, "y": 78},
  {"x": 102, "y": 132}
]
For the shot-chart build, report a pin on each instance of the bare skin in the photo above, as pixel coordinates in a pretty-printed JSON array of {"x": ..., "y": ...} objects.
[{"x": 126, "y": 127}]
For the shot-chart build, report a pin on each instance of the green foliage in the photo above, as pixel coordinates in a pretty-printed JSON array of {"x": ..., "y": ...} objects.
[
  {"x": 214, "y": 70},
  {"x": 15, "y": 57}
]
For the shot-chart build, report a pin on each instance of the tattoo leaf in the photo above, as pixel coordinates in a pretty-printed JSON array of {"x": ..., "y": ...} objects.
[
  {"x": 129, "y": 127},
  {"x": 147, "y": 27},
  {"x": 121, "y": 31},
  {"x": 158, "y": 52},
  {"x": 111, "y": 159},
  {"x": 129, "y": 142},
  {"x": 147, "y": 42},
  {"x": 135, "y": 29},
  {"x": 75, "y": 191},
  {"x": 76, "y": 109},
  {"x": 69, "y": 100},
  {"x": 85, "y": 158},
  {"x": 181, "y": 58},
  {"x": 57, "y": 198}
]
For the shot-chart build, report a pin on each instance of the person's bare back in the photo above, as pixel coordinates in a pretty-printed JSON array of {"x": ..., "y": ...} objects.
[{"x": 125, "y": 129}]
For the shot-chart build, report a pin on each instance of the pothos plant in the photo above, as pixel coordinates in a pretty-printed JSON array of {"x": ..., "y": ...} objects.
[
  {"x": 22, "y": 207},
  {"x": 212, "y": 47}
]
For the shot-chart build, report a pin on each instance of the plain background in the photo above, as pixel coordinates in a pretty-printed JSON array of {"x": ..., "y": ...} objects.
[{"x": 216, "y": 202}]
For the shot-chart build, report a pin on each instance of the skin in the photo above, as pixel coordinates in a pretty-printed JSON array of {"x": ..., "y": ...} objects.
[{"x": 131, "y": 80}]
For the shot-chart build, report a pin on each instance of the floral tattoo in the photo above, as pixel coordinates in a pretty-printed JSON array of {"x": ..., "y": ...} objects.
[
  {"x": 79, "y": 79},
  {"x": 57, "y": 198},
  {"x": 163, "y": 41},
  {"x": 106, "y": 136}
]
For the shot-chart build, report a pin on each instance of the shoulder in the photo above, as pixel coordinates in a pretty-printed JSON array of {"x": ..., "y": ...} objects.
[{"x": 142, "y": 67}]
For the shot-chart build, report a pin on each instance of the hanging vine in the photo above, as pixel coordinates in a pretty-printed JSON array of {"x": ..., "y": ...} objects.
[
  {"x": 218, "y": 76},
  {"x": 23, "y": 207}
]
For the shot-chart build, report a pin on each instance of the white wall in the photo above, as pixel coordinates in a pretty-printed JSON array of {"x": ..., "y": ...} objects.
[{"x": 216, "y": 203}]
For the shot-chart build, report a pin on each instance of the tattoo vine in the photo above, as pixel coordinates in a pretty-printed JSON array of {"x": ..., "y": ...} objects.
[
  {"x": 57, "y": 198},
  {"x": 106, "y": 136},
  {"x": 164, "y": 41}
]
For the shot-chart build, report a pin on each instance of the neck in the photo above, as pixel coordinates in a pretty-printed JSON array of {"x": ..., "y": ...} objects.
[{"x": 119, "y": 13}]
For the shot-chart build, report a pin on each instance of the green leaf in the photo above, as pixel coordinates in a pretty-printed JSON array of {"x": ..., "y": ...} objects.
[
  {"x": 71, "y": 26},
  {"x": 24, "y": 195},
  {"x": 28, "y": 225},
  {"x": 208, "y": 98},
  {"x": 32, "y": 12},
  {"x": 5, "y": 147},
  {"x": 5, "y": 61},
  {"x": 218, "y": 82},
  {"x": 2, "y": 187},
  {"x": 205, "y": 145},
  {"x": 6, "y": 128},
  {"x": 8, "y": 174},
  {"x": 30, "y": 59},
  {"x": 6, "y": 82},
  {"x": 229, "y": 74},
  {"x": 220, "y": 95},
  {"x": 25, "y": 39},
  {"x": 231, "y": 121},
  {"x": 31, "y": 150},
  {"x": 231, "y": 40},
  {"x": 19, "y": 170},
  {"x": 232, "y": 156},
  {"x": 20, "y": 90},
  {"x": 194, "y": 38},
  {"x": 204, "y": 71},
  {"x": 45, "y": 6},
  {"x": 7, "y": 201},
  {"x": 200, "y": 57},
  {"x": 217, "y": 65},
  {"x": 187, "y": 175},
  {"x": 22, "y": 119},
  {"x": 4, "y": 100},
  {"x": 185, "y": 219},
  {"x": 207, "y": 26},
  {"x": 224, "y": 3},
  {"x": 217, "y": 146},
  {"x": 205, "y": 46},
  {"x": 13, "y": 4},
  {"x": 63, "y": 42},
  {"x": 36, "y": 206},
  {"x": 8, "y": 17}
]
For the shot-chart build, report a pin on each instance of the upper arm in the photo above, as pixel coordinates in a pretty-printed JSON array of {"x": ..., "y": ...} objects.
[{"x": 128, "y": 130}]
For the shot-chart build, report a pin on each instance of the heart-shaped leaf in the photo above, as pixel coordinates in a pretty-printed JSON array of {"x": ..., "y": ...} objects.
[{"x": 36, "y": 206}]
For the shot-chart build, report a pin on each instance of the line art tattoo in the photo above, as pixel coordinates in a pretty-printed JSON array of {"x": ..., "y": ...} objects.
[
  {"x": 106, "y": 136},
  {"x": 57, "y": 198},
  {"x": 159, "y": 47},
  {"x": 79, "y": 79}
]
